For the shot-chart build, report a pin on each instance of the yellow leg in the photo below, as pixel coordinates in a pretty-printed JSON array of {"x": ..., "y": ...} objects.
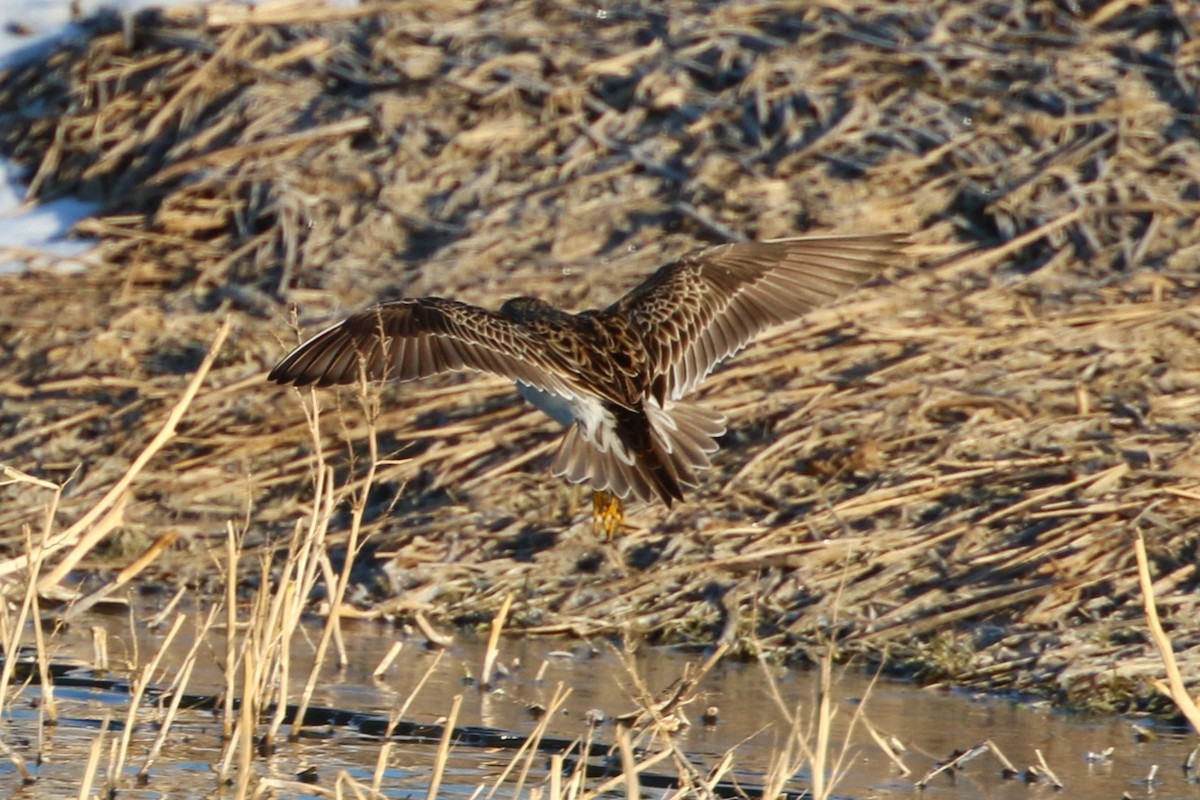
[{"x": 608, "y": 515}]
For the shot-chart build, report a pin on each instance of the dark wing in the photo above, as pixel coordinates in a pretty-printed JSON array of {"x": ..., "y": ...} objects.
[
  {"x": 709, "y": 304},
  {"x": 415, "y": 338}
]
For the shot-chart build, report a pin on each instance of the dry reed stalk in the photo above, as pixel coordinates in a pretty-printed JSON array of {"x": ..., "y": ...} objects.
[
  {"x": 970, "y": 754},
  {"x": 338, "y": 584},
  {"x": 93, "y": 762},
  {"x": 396, "y": 718},
  {"x": 177, "y": 689},
  {"x": 886, "y": 748},
  {"x": 242, "y": 744},
  {"x": 443, "y": 751},
  {"x": 412, "y": 695},
  {"x": 14, "y": 629},
  {"x": 261, "y": 646},
  {"x": 811, "y": 743},
  {"x": 82, "y": 536},
  {"x": 529, "y": 749},
  {"x": 124, "y": 577},
  {"x": 842, "y": 763},
  {"x": 663, "y": 712},
  {"x": 1045, "y": 768},
  {"x": 717, "y": 773},
  {"x": 388, "y": 659},
  {"x": 818, "y": 754},
  {"x": 231, "y": 630},
  {"x": 689, "y": 782},
  {"x": 381, "y": 763},
  {"x": 278, "y": 627},
  {"x": 632, "y": 787},
  {"x": 492, "y": 651},
  {"x": 160, "y": 617},
  {"x": 1175, "y": 688},
  {"x": 556, "y": 771},
  {"x": 137, "y": 690},
  {"x": 18, "y": 763},
  {"x": 1008, "y": 768},
  {"x": 234, "y": 155},
  {"x": 254, "y": 654},
  {"x": 618, "y": 782},
  {"x": 330, "y": 576},
  {"x": 266, "y": 644},
  {"x": 10, "y": 475},
  {"x": 305, "y": 555},
  {"x": 48, "y": 707},
  {"x": 280, "y": 12},
  {"x": 100, "y": 660}
]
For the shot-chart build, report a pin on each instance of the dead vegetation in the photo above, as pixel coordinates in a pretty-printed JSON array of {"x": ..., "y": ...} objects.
[{"x": 967, "y": 448}]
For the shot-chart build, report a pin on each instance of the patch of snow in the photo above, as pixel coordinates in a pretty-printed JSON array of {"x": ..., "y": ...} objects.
[{"x": 36, "y": 235}]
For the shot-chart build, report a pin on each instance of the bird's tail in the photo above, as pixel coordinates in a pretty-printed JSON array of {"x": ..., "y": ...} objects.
[{"x": 660, "y": 452}]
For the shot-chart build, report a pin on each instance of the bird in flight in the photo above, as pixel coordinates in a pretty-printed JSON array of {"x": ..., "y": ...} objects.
[{"x": 614, "y": 378}]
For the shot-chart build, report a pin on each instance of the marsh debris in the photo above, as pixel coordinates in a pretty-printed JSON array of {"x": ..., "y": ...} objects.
[{"x": 946, "y": 468}]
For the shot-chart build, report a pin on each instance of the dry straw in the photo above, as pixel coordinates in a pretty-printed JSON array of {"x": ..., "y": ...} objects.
[{"x": 963, "y": 446}]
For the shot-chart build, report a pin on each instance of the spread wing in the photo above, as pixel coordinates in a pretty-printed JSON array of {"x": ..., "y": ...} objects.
[
  {"x": 709, "y": 304},
  {"x": 415, "y": 338}
]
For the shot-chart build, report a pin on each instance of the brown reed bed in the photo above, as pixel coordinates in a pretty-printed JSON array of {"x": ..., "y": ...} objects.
[{"x": 967, "y": 449}]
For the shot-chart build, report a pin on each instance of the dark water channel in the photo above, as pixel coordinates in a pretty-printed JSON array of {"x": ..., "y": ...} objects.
[{"x": 931, "y": 725}]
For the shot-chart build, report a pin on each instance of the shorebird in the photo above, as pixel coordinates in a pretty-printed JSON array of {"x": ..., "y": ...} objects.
[{"x": 614, "y": 378}]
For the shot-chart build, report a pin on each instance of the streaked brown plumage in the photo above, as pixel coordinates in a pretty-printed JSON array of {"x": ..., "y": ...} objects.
[{"x": 613, "y": 377}]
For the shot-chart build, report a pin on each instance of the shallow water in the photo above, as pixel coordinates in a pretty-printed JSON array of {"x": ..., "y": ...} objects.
[{"x": 931, "y": 725}]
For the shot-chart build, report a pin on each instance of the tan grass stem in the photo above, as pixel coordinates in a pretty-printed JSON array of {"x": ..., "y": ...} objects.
[
  {"x": 231, "y": 632},
  {"x": 93, "y": 762},
  {"x": 83, "y": 535},
  {"x": 493, "y": 645},
  {"x": 16, "y": 627},
  {"x": 340, "y": 582},
  {"x": 48, "y": 707},
  {"x": 529, "y": 748},
  {"x": 1175, "y": 688},
  {"x": 177, "y": 689},
  {"x": 137, "y": 690},
  {"x": 443, "y": 751},
  {"x": 125, "y": 576},
  {"x": 616, "y": 782}
]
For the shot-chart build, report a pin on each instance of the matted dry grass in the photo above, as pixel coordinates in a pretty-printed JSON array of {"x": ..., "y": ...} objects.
[{"x": 965, "y": 449}]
